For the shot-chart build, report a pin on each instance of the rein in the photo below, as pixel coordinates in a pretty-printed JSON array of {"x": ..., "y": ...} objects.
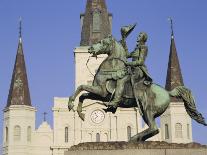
[{"x": 88, "y": 66}]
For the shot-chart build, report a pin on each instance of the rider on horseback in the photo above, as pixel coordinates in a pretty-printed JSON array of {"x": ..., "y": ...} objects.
[
  {"x": 140, "y": 77},
  {"x": 139, "y": 70},
  {"x": 125, "y": 31},
  {"x": 151, "y": 99}
]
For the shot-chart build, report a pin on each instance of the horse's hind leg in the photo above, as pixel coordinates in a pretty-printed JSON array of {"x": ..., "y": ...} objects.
[
  {"x": 81, "y": 99},
  {"x": 150, "y": 132}
]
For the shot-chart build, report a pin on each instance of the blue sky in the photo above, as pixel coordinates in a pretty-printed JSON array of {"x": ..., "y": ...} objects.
[{"x": 51, "y": 31}]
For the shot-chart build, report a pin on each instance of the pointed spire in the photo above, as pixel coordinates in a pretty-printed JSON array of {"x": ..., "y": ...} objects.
[
  {"x": 19, "y": 89},
  {"x": 174, "y": 75},
  {"x": 96, "y": 22}
]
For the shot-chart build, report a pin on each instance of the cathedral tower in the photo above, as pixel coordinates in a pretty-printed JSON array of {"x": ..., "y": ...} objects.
[
  {"x": 175, "y": 123},
  {"x": 95, "y": 22},
  {"x": 19, "y": 115},
  {"x": 69, "y": 129},
  {"x": 95, "y": 25}
]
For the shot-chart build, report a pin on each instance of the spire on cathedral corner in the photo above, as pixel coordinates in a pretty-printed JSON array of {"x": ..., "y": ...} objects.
[
  {"x": 96, "y": 22},
  {"x": 19, "y": 89},
  {"x": 174, "y": 75}
]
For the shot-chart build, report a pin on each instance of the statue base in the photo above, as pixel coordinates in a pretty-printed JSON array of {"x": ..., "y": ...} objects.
[{"x": 130, "y": 148}]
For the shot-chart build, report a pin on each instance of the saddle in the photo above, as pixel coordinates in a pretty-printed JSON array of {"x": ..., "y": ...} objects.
[{"x": 128, "y": 89}]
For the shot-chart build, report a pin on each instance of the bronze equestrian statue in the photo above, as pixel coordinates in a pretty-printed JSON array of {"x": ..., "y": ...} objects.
[{"x": 119, "y": 83}]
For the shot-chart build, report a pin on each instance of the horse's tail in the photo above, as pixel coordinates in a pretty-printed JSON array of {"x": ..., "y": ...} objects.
[{"x": 189, "y": 103}]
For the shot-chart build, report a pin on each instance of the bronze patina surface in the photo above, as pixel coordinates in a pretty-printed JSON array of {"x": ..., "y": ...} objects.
[{"x": 121, "y": 83}]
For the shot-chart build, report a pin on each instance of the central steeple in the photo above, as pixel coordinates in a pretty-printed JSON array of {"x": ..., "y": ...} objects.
[{"x": 96, "y": 22}]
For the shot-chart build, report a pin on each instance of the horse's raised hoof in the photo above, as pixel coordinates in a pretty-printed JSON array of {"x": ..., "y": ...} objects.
[
  {"x": 110, "y": 109},
  {"x": 104, "y": 103},
  {"x": 82, "y": 116},
  {"x": 70, "y": 103},
  {"x": 70, "y": 106},
  {"x": 113, "y": 109}
]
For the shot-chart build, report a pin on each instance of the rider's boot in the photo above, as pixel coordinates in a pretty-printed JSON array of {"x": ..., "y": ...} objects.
[
  {"x": 115, "y": 102},
  {"x": 118, "y": 92}
]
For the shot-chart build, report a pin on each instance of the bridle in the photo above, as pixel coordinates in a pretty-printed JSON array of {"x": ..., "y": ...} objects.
[{"x": 94, "y": 55}]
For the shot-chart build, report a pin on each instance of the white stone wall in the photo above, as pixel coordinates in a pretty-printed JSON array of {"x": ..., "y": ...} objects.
[
  {"x": 42, "y": 140},
  {"x": 112, "y": 128},
  {"x": 176, "y": 113},
  {"x": 82, "y": 73},
  {"x": 22, "y": 116}
]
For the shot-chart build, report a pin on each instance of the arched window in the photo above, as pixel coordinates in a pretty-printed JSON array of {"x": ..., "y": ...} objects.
[
  {"x": 188, "y": 131},
  {"x": 166, "y": 131},
  {"x": 66, "y": 134},
  {"x": 105, "y": 137},
  {"x": 29, "y": 132},
  {"x": 17, "y": 133},
  {"x": 129, "y": 134},
  {"x": 96, "y": 21},
  {"x": 97, "y": 137},
  {"x": 7, "y": 134},
  {"x": 178, "y": 130}
]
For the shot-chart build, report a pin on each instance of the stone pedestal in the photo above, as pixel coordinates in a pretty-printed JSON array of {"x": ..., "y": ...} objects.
[{"x": 146, "y": 148}]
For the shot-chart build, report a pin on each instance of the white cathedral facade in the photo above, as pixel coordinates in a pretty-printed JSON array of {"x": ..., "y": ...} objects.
[{"x": 21, "y": 137}]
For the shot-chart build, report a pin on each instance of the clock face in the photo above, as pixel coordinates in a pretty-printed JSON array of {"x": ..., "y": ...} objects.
[{"x": 97, "y": 116}]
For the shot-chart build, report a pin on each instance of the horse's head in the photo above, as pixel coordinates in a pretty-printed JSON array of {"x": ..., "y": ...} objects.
[{"x": 104, "y": 46}]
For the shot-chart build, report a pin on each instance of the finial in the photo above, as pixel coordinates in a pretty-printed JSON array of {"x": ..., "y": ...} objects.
[
  {"x": 44, "y": 116},
  {"x": 20, "y": 28},
  {"x": 171, "y": 25}
]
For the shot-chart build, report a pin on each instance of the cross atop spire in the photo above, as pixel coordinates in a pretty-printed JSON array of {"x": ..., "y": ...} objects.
[
  {"x": 174, "y": 74},
  {"x": 20, "y": 28},
  {"x": 171, "y": 26},
  {"x": 44, "y": 116}
]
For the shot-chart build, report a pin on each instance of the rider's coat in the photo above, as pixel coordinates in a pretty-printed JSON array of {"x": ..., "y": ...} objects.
[{"x": 139, "y": 69}]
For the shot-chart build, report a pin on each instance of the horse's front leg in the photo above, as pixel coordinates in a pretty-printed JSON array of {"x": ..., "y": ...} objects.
[
  {"x": 98, "y": 90},
  {"x": 84, "y": 96}
]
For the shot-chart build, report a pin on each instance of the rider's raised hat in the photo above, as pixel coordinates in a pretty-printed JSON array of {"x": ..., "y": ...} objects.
[{"x": 126, "y": 30}]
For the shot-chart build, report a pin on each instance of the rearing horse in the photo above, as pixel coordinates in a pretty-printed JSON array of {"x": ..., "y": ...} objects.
[{"x": 113, "y": 68}]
